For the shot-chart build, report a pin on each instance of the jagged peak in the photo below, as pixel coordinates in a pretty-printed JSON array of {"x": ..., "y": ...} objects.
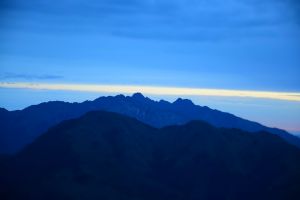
[
  {"x": 138, "y": 95},
  {"x": 3, "y": 110},
  {"x": 121, "y": 96},
  {"x": 183, "y": 102}
]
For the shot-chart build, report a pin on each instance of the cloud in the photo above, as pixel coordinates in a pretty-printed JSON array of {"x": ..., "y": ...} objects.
[
  {"x": 9, "y": 76},
  {"x": 152, "y": 90}
]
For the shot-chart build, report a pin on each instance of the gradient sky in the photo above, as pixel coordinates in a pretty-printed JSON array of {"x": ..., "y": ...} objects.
[{"x": 216, "y": 44}]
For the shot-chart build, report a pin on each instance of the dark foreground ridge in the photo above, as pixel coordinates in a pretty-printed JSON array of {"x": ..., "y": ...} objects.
[
  {"x": 19, "y": 128},
  {"x": 104, "y": 155}
]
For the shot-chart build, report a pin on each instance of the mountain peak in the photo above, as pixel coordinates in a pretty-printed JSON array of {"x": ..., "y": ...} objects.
[
  {"x": 3, "y": 110},
  {"x": 181, "y": 101},
  {"x": 138, "y": 96}
]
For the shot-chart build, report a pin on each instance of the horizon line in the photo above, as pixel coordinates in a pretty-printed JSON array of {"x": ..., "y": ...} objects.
[{"x": 155, "y": 90}]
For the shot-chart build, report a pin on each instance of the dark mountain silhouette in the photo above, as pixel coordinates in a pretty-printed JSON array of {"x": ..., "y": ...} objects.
[
  {"x": 109, "y": 156},
  {"x": 19, "y": 128}
]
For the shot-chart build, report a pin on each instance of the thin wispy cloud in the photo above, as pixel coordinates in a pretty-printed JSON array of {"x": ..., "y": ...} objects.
[
  {"x": 30, "y": 77},
  {"x": 156, "y": 90}
]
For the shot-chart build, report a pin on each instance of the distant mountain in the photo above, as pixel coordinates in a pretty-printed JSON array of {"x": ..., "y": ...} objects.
[
  {"x": 19, "y": 128},
  {"x": 108, "y": 156}
]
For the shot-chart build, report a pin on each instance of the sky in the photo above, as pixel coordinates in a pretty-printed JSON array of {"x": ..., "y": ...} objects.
[{"x": 50, "y": 50}]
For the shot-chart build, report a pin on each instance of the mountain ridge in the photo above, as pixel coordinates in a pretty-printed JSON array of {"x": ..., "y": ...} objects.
[
  {"x": 20, "y": 128},
  {"x": 111, "y": 156}
]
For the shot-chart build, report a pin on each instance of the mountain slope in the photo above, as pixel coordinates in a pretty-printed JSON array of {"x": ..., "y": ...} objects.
[
  {"x": 19, "y": 128},
  {"x": 109, "y": 156}
]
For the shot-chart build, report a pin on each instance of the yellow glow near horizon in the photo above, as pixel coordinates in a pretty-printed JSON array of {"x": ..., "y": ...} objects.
[{"x": 154, "y": 90}]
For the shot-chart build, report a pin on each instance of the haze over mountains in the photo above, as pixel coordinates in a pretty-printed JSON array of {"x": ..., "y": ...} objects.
[
  {"x": 104, "y": 155},
  {"x": 19, "y": 128}
]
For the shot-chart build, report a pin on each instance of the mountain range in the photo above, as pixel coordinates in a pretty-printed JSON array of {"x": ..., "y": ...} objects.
[
  {"x": 104, "y": 155},
  {"x": 20, "y": 128}
]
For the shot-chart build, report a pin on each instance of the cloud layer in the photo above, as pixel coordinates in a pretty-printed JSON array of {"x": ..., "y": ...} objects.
[
  {"x": 151, "y": 90},
  {"x": 205, "y": 20}
]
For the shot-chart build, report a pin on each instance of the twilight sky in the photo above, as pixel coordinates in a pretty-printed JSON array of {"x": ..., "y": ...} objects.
[{"x": 236, "y": 45}]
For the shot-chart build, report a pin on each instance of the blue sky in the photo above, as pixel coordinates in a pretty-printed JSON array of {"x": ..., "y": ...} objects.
[{"x": 217, "y": 44}]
